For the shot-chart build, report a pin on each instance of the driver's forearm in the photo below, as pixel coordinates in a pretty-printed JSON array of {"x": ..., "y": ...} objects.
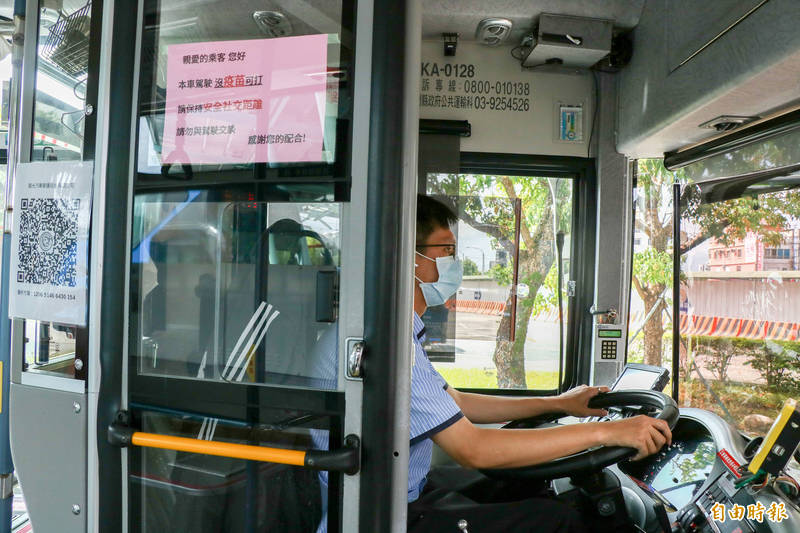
[
  {"x": 507, "y": 448},
  {"x": 486, "y": 409}
]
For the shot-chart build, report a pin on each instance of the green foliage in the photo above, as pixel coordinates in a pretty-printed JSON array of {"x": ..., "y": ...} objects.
[
  {"x": 740, "y": 399},
  {"x": 547, "y": 296},
  {"x": 720, "y": 352},
  {"x": 726, "y": 221},
  {"x": 470, "y": 268},
  {"x": 653, "y": 266},
  {"x": 778, "y": 364},
  {"x": 701, "y": 459},
  {"x": 766, "y": 215},
  {"x": 485, "y": 203},
  {"x": 503, "y": 275}
]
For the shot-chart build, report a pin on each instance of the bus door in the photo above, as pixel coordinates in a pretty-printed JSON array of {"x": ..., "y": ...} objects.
[
  {"x": 243, "y": 270},
  {"x": 217, "y": 163}
]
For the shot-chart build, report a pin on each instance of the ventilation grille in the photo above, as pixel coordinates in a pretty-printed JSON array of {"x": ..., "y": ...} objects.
[{"x": 727, "y": 122}]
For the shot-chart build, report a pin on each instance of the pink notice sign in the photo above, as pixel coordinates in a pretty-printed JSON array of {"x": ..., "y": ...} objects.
[{"x": 251, "y": 101}]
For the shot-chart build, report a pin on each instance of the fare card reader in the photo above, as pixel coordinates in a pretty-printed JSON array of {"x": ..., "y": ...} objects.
[{"x": 608, "y": 343}]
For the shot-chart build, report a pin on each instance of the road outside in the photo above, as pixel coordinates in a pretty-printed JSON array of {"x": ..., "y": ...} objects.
[{"x": 476, "y": 336}]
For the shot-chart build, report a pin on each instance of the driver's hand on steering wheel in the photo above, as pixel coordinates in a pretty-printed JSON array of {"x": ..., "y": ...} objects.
[
  {"x": 575, "y": 401},
  {"x": 642, "y": 432}
]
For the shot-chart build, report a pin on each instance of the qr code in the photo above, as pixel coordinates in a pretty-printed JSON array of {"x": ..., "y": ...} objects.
[{"x": 48, "y": 230}]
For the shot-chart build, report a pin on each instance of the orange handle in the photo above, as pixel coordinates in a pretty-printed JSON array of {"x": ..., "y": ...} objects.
[{"x": 223, "y": 449}]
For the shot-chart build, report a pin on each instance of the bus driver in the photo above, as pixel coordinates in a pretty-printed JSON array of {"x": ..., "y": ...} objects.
[{"x": 438, "y": 500}]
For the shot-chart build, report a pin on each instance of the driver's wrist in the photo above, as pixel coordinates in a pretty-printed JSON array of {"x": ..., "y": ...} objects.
[
  {"x": 600, "y": 433},
  {"x": 555, "y": 404}
]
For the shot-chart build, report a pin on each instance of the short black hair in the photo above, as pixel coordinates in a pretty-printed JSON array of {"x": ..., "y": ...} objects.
[{"x": 432, "y": 215}]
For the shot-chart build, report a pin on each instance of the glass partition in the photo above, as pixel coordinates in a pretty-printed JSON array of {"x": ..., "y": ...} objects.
[
  {"x": 235, "y": 291},
  {"x": 62, "y": 78},
  {"x": 180, "y": 491},
  {"x": 504, "y": 321},
  {"x": 241, "y": 165},
  {"x": 256, "y": 94},
  {"x": 62, "y": 130},
  {"x": 50, "y": 348},
  {"x": 740, "y": 282}
]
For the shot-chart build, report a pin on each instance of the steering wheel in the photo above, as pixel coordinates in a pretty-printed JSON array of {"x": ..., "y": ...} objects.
[{"x": 594, "y": 460}]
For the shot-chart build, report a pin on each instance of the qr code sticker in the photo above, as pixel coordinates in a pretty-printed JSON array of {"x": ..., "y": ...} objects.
[{"x": 48, "y": 229}]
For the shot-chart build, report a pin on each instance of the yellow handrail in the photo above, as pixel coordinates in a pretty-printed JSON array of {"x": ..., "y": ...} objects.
[{"x": 222, "y": 449}]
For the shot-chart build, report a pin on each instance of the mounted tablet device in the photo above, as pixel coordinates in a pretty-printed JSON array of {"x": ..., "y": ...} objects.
[{"x": 638, "y": 376}]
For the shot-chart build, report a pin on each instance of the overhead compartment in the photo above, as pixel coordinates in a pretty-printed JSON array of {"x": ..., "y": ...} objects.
[{"x": 693, "y": 62}]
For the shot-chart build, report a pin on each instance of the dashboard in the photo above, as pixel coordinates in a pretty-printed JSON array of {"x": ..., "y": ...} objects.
[
  {"x": 676, "y": 473},
  {"x": 699, "y": 470}
]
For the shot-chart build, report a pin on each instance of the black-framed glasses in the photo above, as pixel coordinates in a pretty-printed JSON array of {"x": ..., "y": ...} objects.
[{"x": 449, "y": 249}]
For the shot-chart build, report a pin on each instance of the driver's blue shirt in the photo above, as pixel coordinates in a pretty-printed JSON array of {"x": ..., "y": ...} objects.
[{"x": 432, "y": 410}]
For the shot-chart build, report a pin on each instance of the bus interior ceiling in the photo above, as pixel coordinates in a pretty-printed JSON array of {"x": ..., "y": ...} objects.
[{"x": 691, "y": 62}]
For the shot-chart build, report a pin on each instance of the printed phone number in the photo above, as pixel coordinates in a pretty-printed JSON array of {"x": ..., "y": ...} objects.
[
  {"x": 51, "y": 295},
  {"x": 492, "y": 103},
  {"x": 500, "y": 88}
]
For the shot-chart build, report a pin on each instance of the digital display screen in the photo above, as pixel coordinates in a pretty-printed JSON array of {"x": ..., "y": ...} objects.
[
  {"x": 679, "y": 470},
  {"x": 635, "y": 378},
  {"x": 610, "y": 333}
]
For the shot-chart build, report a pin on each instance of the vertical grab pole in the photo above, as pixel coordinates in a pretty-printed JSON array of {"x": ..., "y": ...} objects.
[
  {"x": 676, "y": 290},
  {"x": 6, "y": 463},
  {"x": 517, "y": 227},
  {"x": 559, "y": 270}
]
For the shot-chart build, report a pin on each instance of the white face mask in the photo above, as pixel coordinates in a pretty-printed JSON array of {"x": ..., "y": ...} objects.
[{"x": 451, "y": 270}]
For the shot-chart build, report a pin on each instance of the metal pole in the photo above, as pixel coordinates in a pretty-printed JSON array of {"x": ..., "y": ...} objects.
[
  {"x": 515, "y": 281},
  {"x": 6, "y": 462},
  {"x": 676, "y": 290},
  {"x": 559, "y": 270}
]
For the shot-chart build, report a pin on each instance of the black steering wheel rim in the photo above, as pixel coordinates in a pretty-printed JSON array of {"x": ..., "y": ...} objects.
[{"x": 589, "y": 461}]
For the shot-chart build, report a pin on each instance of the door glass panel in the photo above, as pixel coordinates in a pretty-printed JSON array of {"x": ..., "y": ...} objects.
[
  {"x": 236, "y": 291},
  {"x": 181, "y": 491},
  {"x": 62, "y": 71},
  {"x": 739, "y": 319},
  {"x": 50, "y": 348},
  {"x": 256, "y": 90},
  {"x": 492, "y": 350},
  {"x": 242, "y": 157}
]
